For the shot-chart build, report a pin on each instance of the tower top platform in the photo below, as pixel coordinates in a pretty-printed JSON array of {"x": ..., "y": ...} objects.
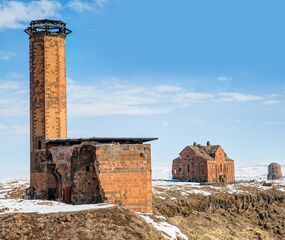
[{"x": 53, "y": 27}]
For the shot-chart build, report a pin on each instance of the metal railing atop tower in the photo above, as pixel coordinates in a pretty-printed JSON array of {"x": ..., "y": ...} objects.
[{"x": 47, "y": 26}]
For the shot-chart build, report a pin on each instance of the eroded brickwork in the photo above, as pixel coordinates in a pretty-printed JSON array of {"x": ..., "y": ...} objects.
[
  {"x": 87, "y": 172},
  {"x": 274, "y": 172},
  {"x": 203, "y": 164},
  {"x": 125, "y": 175},
  {"x": 47, "y": 94},
  {"x": 114, "y": 173}
]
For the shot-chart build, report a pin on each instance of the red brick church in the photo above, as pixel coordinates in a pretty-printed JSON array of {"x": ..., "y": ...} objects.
[{"x": 197, "y": 163}]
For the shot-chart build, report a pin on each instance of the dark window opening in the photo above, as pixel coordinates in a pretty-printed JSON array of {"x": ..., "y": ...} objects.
[
  {"x": 39, "y": 145},
  {"x": 180, "y": 169},
  {"x": 51, "y": 194},
  {"x": 87, "y": 169},
  {"x": 188, "y": 168}
]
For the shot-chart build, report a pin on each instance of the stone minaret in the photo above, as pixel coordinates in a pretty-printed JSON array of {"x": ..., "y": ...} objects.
[{"x": 47, "y": 92}]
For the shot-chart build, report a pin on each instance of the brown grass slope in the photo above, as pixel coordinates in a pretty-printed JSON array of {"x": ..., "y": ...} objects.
[
  {"x": 102, "y": 224},
  {"x": 227, "y": 216}
]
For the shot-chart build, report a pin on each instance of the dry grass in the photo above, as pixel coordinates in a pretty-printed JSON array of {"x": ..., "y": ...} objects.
[
  {"x": 259, "y": 215},
  {"x": 101, "y": 224}
]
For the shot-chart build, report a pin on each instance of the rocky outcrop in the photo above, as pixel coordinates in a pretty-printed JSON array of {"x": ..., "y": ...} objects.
[
  {"x": 227, "y": 216},
  {"x": 230, "y": 202}
]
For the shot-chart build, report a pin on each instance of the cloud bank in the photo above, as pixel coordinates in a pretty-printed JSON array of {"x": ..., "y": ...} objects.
[
  {"x": 84, "y": 5},
  {"x": 16, "y": 14}
]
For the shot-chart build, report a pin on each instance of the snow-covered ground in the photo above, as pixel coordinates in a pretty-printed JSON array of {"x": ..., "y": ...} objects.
[
  {"x": 169, "y": 231},
  {"x": 43, "y": 207},
  {"x": 35, "y": 206},
  {"x": 7, "y": 205},
  {"x": 7, "y": 186},
  {"x": 175, "y": 189},
  {"x": 164, "y": 189}
]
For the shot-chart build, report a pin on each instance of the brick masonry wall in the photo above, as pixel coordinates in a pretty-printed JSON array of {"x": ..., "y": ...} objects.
[
  {"x": 47, "y": 95},
  {"x": 190, "y": 167},
  {"x": 274, "y": 171},
  {"x": 220, "y": 169},
  {"x": 125, "y": 175},
  {"x": 114, "y": 173}
]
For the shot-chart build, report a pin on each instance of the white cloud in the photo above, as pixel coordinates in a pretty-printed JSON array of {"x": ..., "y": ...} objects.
[
  {"x": 86, "y": 5},
  {"x": 168, "y": 88},
  {"x": 271, "y": 102},
  {"x": 224, "y": 79},
  {"x": 14, "y": 99},
  {"x": 80, "y": 5},
  {"x": 17, "y": 128},
  {"x": 16, "y": 14},
  {"x": 9, "y": 85},
  {"x": 14, "y": 75},
  {"x": 120, "y": 99},
  {"x": 116, "y": 97},
  {"x": 192, "y": 97},
  {"x": 5, "y": 55},
  {"x": 237, "y": 97}
]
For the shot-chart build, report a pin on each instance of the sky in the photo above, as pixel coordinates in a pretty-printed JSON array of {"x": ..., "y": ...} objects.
[{"x": 182, "y": 71}]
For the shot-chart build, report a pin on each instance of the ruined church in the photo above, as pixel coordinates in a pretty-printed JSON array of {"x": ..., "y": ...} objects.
[
  {"x": 198, "y": 163},
  {"x": 83, "y": 170}
]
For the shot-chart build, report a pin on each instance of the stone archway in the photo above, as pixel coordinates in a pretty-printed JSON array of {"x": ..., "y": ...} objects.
[{"x": 58, "y": 185}]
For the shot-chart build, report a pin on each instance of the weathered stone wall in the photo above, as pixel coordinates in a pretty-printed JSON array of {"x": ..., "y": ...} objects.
[
  {"x": 221, "y": 169},
  {"x": 190, "y": 167},
  {"x": 176, "y": 174},
  {"x": 55, "y": 87},
  {"x": 44, "y": 183},
  {"x": 47, "y": 96},
  {"x": 114, "y": 173},
  {"x": 85, "y": 183},
  {"x": 125, "y": 175},
  {"x": 274, "y": 171},
  {"x": 83, "y": 173}
]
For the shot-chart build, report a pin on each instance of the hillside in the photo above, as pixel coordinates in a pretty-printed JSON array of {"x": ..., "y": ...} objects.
[{"x": 245, "y": 210}]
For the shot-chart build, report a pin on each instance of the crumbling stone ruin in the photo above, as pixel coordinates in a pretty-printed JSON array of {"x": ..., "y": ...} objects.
[
  {"x": 198, "y": 163},
  {"x": 274, "y": 171},
  {"x": 77, "y": 171}
]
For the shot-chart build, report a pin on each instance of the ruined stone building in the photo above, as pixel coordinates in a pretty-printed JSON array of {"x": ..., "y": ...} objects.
[
  {"x": 77, "y": 171},
  {"x": 197, "y": 163},
  {"x": 274, "y": 172}
]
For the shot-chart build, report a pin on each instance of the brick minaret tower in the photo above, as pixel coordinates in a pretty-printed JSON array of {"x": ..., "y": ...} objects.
[{"x": 47, "y": 93}]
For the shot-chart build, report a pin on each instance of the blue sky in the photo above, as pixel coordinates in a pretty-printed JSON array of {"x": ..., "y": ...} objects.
[{"x": 182, "y": 71}]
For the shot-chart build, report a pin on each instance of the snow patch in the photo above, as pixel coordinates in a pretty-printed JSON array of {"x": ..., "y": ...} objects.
[
  {"x": 7, "y": 186},
  {"x": 44, "y": 207},
  {"x": 170, "y": 232}
]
